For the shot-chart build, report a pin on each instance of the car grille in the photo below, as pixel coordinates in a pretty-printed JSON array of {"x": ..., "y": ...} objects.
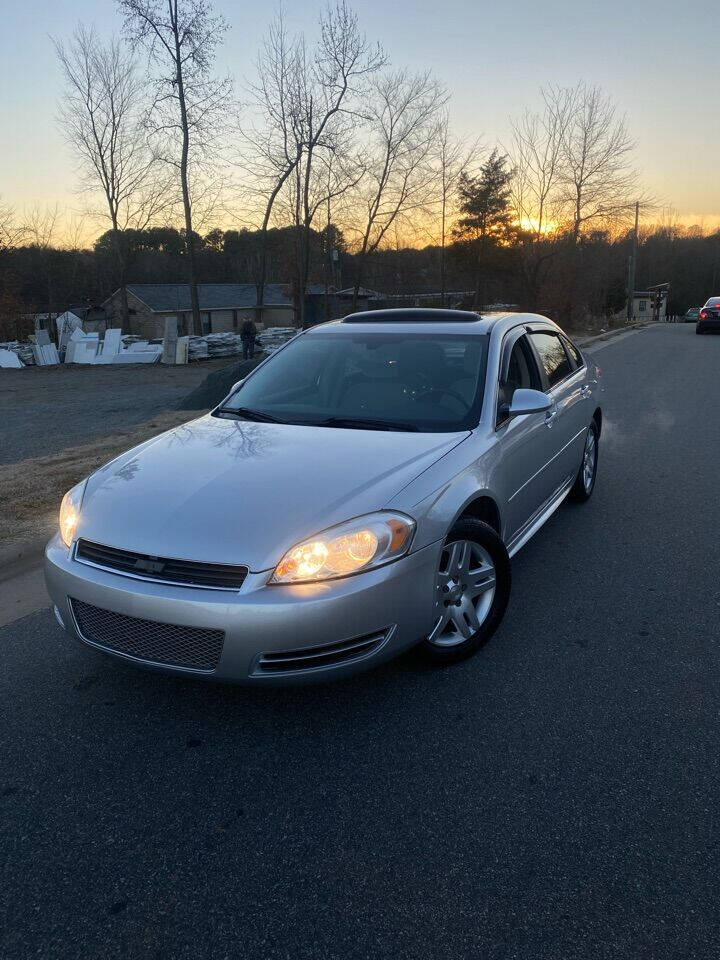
[
  {"x": 326, "y": 655},
  {"x": 184, "y": 572},
  {"x": 190, "y": 647}
]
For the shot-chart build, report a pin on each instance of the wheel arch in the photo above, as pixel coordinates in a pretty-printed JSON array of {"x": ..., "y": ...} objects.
[
  {"x": 482, "y": 507},
  {"x": 597, "y": 417}
]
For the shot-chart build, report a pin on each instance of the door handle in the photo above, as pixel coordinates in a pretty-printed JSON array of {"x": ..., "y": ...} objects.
[
  {"x": 585, "y": 392},
  {"x": 550, "y": 416}
]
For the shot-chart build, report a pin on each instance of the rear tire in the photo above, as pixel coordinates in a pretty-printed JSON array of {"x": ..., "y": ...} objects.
[
  {"x": 585, "y": 480},
  {"x": 472, "y": 592}
]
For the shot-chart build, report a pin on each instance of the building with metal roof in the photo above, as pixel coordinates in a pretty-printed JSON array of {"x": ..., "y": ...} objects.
[{"x": 223, "y": 306}]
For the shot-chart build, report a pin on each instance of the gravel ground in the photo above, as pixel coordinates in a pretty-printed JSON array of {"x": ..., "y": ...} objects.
[
  {"x": 46, "y": 409},
  {"x": 553, "y": 798}
]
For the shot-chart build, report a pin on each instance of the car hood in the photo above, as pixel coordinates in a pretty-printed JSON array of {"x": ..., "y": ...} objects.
[{"x": 231, "y": 491}]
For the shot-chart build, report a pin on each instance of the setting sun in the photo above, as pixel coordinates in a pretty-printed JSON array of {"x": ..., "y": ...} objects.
[{"x": 533, "y": 225}]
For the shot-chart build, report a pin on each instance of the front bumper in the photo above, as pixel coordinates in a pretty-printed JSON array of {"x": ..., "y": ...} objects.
[{"x": 394, "y": 602}]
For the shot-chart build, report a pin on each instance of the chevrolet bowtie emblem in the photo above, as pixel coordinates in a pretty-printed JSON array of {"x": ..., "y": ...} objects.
[{"x": 148, "y": 565}]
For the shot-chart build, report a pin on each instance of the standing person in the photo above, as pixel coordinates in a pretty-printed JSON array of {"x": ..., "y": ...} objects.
[{"x": 247, "y": 335}]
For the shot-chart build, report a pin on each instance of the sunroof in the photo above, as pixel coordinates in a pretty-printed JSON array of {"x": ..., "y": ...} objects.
[{"x": 409, "y": 315}]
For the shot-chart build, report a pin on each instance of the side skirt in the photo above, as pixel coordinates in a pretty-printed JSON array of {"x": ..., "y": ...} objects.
[{"x": 543, "y": 515}]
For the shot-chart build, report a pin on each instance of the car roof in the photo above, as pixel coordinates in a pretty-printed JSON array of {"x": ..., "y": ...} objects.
[{"x": 425, "y": 320}]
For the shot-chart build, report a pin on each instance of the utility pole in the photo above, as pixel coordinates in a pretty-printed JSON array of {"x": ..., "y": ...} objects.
[{"x": 631, "y": 267}]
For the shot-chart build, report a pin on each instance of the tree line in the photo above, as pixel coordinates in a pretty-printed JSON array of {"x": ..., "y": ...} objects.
[
  {"x": 39, "y": 279},
  {"x": 336, "y": 165}
]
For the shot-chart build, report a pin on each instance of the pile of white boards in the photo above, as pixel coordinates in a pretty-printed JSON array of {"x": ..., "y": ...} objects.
[
  {"x": 214, "y": 345},
  {"x": 23, "y": 351},
  {"x": 89, "y": 348},
  {"x": 9, "y": 360},
  {"x": 273, "y": 338},
  {"x": 44, "y": 350},
  {"x": 223, "y": 344},
  {"x": 197, "y": 349}
]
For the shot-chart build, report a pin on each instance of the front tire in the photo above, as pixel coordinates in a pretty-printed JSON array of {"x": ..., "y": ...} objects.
[
  {"x": 585, "y": 481},
  {"x": 472, "y": 590}
]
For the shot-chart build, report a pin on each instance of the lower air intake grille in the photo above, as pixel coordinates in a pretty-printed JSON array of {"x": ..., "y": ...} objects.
[
  {"x": 190, "y": 647},
  {"x": 327, "y": 655}
]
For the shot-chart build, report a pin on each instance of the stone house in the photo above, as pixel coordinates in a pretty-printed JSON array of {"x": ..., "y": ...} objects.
[{"x": 223, "y": 307}]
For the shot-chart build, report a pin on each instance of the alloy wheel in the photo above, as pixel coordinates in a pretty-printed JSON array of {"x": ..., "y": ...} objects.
[
  {"x": 589, "y": 460},
  {"x": 464, "y": 592}
]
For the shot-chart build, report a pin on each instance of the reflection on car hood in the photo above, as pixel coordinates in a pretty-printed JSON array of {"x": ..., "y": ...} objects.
[{"x": 231, "y": 491}]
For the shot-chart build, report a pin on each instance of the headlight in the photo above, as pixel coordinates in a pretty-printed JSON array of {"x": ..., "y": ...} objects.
[
  {"x": 70, "y": 513},
  {"x": 357, "y": 545}
]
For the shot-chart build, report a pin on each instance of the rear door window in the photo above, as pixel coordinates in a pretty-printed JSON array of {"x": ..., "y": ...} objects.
[
  {"x": 574, "y": 353},
  {"x": 553, "y": 358}
]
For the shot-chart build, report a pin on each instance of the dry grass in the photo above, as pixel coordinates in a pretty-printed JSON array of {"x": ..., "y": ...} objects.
[{"x": 31, "y": 490}]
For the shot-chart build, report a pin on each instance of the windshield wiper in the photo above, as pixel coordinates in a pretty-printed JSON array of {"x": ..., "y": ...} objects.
[
  {"x": 245, "y": 413},
  {"x": 363, "y": 423},
  {"x": 352, "y": 423}
]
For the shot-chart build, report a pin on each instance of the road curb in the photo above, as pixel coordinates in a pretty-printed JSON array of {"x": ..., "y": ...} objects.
[
  {"x": 18, "y": 557},
  {"x": 611, "y": 334}
]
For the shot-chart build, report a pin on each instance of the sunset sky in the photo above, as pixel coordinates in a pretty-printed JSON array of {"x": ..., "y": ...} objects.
[{"x": 660, "y": 60}]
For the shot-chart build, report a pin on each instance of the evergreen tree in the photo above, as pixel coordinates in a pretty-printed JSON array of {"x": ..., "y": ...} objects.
[{"x": 486, "y": 221}]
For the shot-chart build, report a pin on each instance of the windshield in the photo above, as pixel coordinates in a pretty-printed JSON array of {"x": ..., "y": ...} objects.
[
  {"x": 713, "y": 302},
  {"x": 376, "y": 380}
]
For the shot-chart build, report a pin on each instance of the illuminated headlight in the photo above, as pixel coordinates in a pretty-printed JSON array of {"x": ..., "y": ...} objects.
[
  {"x": 351, "y": 547},
  {"x": 70, "y": 513}
]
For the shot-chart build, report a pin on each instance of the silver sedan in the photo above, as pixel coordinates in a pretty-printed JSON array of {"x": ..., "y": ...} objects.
[{"x": 362, "y": 491}]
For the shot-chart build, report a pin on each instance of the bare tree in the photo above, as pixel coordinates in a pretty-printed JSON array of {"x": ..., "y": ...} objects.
[
  {"x": 342, "y": 61},
  {"x": 272, "y": 146},
  {"x": 41, "y": 225},
  {"x": 538, "y": 186},
  {"x": 452, "y": 157},
  {"x": 598, "y": 180},
  {"x": 309, "y": 104},
  {"x": 101, "y": 117},
  {"x": 190, "y": 103},
  {"x": 11, "y": 231},
  {"x": 403, "y": 114},
  {"x": 41, "y": 233},
  {"x": 539, "y": 159}
]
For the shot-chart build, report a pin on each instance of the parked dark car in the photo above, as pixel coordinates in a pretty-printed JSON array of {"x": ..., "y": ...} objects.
[{"x": 709, "y": 316}]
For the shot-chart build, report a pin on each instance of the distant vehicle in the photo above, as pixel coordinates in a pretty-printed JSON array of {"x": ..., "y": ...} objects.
[
  {"x": 361, "y": 491},
  {"x": 709, "y": 316},
  {"x": 692, "y": 315}
]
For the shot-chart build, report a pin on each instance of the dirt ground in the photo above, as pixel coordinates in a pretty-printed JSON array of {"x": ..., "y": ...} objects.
[
  {"x": 31, "y": 490},
  {"x": 44, "y": 410}
]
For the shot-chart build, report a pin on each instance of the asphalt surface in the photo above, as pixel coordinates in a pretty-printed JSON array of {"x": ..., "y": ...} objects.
[{"x": 554, "y": 798}]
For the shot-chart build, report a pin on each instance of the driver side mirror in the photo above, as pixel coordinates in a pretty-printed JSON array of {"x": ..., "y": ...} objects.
[
  {"x": 236, "y": 385},
  {"x": 528, "y": 401}
]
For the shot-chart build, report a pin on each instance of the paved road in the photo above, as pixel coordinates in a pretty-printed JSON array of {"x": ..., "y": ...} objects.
[{"x": 556, "y": 798}]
